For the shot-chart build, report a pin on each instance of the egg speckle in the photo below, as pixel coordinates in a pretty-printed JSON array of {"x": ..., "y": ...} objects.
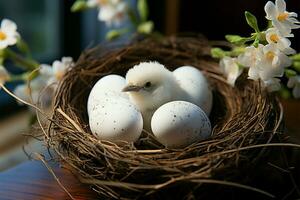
[{"x": 178, "y": 124}]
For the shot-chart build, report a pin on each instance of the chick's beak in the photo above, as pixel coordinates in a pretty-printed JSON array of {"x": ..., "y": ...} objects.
[{"x": 131, "y": 88}]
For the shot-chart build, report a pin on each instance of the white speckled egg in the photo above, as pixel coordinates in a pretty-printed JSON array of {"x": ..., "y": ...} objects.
[
  {"x": 178, "y": 124},
  {"x": 110, "y": 85},
  {"x": 115, "y": 119}
]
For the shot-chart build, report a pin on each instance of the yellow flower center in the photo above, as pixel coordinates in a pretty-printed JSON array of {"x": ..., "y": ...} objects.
[
  {"x": 2, "y": 35},
  {"x": 59, "y": 75},
  {"x": 274, "y": 38},
  {"x": 270, "y": 55},
  {"x": 282, "y": 16}
]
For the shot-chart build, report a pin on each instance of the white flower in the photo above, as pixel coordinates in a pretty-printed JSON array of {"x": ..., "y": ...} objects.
[
  {"x": 265, "y": 62},
  {"x": 230, "y": 69},
  {"x": 92, "y": 3},
  {"x": 271, "y": 62},
  {"x": 96, "y": 3},
  {"x": 8, "y": 33},
  {"x": 56, "y": 72},
  {"x": 112, "y": 12},
  {"x": 249, "y": 57},
  {"x": 294, "y": 82},
  {"x": 272, "y": 84},
  {"x": 281, "y": 19},
  {"x": 4, "y": 76},
  {"x": 273, "y": 36},
  {"x": 30, "y": 93}
]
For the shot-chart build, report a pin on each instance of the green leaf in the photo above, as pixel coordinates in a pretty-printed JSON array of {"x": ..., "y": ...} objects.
[
  {"x": 235, "y": 39},
  {"x": 24, "y": 63},
  {"x": 20, "y": 77},
  {"x": 238, "y": 40},
  {"x": 22, "y": 46},
  {"x": 112, "y": 35},
  {"x": 217, "y": 53},
  {"x": 142, "y": 7},
  {"x": 236, "y": 51},
  {"x": 285, "y": 93},
  {"x": 2, "y": 53},
  {"x": 132, "y": 17},
  {"x": 252, "y": 21},
  {"x": 296, "y": 66},
  {"x": 290, "y": 73},
  {"x": 146, "y": 27},
  {"x": 256, "y": 42},
  {"x": 295, "y": 57},
  {"x": 116, "y": 33},
  {"x": 32, "y": 75},
  {"x": 2, "y": 59},
  {"x": 79, "y": 5},
  {"x": 270, "y": 24}
]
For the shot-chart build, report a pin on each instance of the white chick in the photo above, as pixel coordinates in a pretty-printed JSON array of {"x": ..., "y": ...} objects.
[{"x": 150, "y": 85}]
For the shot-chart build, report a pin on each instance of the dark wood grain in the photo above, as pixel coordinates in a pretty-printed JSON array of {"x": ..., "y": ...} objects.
[{"x": 31, "y": 180}]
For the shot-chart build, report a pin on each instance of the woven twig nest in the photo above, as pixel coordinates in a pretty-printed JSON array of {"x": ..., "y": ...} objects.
[{"x": 242, "y": 117}]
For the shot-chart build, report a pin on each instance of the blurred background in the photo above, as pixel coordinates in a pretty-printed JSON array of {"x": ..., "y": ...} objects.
[{"x": 53, "y": 31}]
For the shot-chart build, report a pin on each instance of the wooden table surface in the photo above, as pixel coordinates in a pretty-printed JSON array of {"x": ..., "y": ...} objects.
[{"x": 31, "y": 180}]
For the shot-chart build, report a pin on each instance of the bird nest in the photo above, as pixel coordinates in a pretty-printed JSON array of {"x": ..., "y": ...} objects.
[{"x": 244, "y": 119}]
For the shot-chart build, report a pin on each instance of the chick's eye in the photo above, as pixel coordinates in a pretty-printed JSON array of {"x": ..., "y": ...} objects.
[{"x": 148, "y": 84}]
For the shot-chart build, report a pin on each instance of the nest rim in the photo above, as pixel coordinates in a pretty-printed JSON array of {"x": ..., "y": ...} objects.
[{"x": 248, "y": 103}]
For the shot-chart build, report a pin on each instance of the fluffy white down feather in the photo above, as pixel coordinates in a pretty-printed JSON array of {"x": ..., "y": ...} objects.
[{"x": 150, "y": 85}]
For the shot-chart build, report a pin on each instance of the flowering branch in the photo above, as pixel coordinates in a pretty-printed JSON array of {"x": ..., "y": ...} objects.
[
  {"x": 26, "y": 64},
  {"x": 36, "y": 77},
  {"x": 114, "y": 12},
  {"x": 266, "y": 54}
]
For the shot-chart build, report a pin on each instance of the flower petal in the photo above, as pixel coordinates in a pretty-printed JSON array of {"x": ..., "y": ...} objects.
[
  {"x": 67, "y": 60},
  {"x": 283, "y": 28},
  {"x": 253, "y": 73},
  {"x": 20, "y": 91},
  {"x": 46, "y": 70},
  {"x": 272, "y": 85},
  {"x": 280, "y": 5},
  {"x": 285, "y": 61},
  {"x": 249, "y": 57},
  {"x": 235, "y": 72},
  {"x": 92, "y": 3},
  {"x": 11, "y": 40},
  {"x": 8, "y": 25},
  {"x": 296, "y": 91},
  {"x": 291, "y": 82},
  {"x": 3, "y": 44},
  {"x": 230, "y": 69},
  {"x": 270, "y": 10},
  {"x": 58, "y": 66},
  {"x": 293, "y": 14}
]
